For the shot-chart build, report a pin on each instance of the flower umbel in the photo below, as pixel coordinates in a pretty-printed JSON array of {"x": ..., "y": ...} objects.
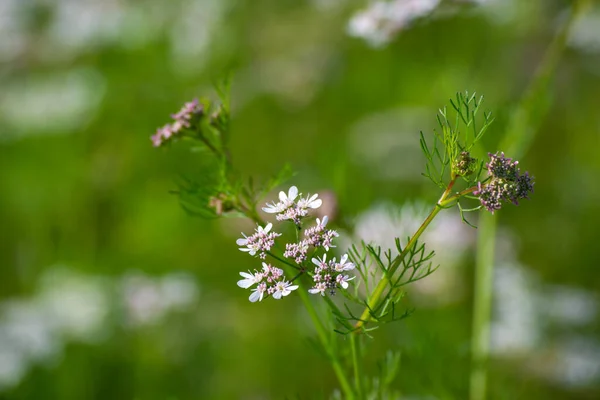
[
  {"x": 506, "y": 183},
  {"x": 260, "y": 242},
  {"x": 317, "y": 236},
  {"x": 329, "y": 275},
  {"x": 270, "y": 282},
  {"x": 288, "y": 209}
]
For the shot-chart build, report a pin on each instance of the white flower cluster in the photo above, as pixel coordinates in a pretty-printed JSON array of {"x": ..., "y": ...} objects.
[
  {"x": 260, "y": 242},
  {"x": 329, "y": 275},
  {"x": 317, "y": 236},
  {"x": 288, "y": 209},
  {"x": 270, "y": 281}
]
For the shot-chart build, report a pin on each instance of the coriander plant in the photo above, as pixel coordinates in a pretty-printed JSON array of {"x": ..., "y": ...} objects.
[{"x": 300, "y": 258}]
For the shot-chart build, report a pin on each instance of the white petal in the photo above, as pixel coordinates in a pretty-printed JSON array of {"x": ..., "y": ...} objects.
[
  {"x": 255, "y": 296},
  {"x": 245, "y": 249},
  {"x": 247, "y": 275},
  {"x": 324, "y": 222},
  {"x": 292, "y": 193},
  {"x": 277, "y": 295},
  {"x": 245, "y": 283},
  {"x": 282, "y": 196},
  {"x": 267, "y": 228},
  {"x": 242, "y": 242},
  {"x": 344, "y": 284},
  {"x": 343, "y": 259},
  {"x": 294, "y": 287},
  {"x": 315, "y": 203},
  {"x": 313, "y": 290}
]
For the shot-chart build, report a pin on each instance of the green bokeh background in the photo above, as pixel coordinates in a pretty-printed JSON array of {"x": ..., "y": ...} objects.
[{"x": 91, "y": 194}]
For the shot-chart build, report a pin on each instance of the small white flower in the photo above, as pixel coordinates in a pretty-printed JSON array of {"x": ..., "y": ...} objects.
[
  {"x": 320, "y": 262},
  {"x": 319, "y": 288},
  {"x": 249, "y": 279},
  {"x": 322, "y": 224},
  {"x": 258, "y": 292},
  {"x": 288, "y": 199},
  {"x": 251, "y": 249},
  {"x": 256, "y": 242},
  {"x": 342, "y": 280},
  {"x": 273, "y": 208},
  {"x": 242, "y": 241},
  {"x": 266, "y": 229},
  {"x": 311, "y": 202},
  {"x": 283, "y": 288},
  {"x": 285, "y": 201},
  {"x": 343, "y": 265}
]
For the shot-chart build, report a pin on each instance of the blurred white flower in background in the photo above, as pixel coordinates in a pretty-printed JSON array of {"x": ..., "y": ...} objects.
[
  {"x": 78, "y": 26},
  {"x": 195, "y": 29},
  {"x": 526, "y": 311},
  {"x": 567, "y": 305},
  {"x": 578, "y": 362},
  {"x": 70, "y": 306},
  {"x": 585, "y": 34},
  {"x": 382, "y": 20},
  {"x": 148, "y": 300},
  {"x": 516, "y": 325},
  {"x": 13, "y": 40},
  {"x": 56, "y": 103},
  {"x": 65, "y": 101}
]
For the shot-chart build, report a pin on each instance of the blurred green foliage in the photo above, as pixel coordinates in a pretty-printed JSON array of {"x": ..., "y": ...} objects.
[{"x": 90, "y": 193}]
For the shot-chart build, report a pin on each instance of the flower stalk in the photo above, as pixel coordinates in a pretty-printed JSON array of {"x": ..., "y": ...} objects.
[{"x": 375, "y": 299}]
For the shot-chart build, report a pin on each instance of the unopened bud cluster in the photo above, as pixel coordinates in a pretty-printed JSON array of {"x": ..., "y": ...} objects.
[
  {"x": 465, "y": 164},
  {"x": 506, "y": 183},
  {"x": 186, "y": 118},
  {"x": 270, "y": 281}
]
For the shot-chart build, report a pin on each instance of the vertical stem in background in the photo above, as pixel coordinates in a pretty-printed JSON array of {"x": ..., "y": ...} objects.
[
  {"x": 482, "y": 304},
  {"x": 519, "y": 136}
]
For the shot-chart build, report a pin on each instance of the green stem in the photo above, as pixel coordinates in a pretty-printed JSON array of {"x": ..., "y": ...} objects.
[
  {"x": 357, "y": 382},
  {"x": 375, "y": 297},
  {"x": 282, "y": 260},
  {"x": 355, "y": 350},
  {"x": 482, "y": 304},
  {"x": 322, "y": 333}
]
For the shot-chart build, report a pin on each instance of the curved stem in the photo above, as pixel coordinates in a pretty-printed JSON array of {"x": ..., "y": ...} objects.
[{"x": 375, "y": 297}]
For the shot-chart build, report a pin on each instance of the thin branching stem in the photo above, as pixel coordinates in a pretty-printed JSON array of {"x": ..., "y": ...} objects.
[{"x": 375, "y": 298}]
